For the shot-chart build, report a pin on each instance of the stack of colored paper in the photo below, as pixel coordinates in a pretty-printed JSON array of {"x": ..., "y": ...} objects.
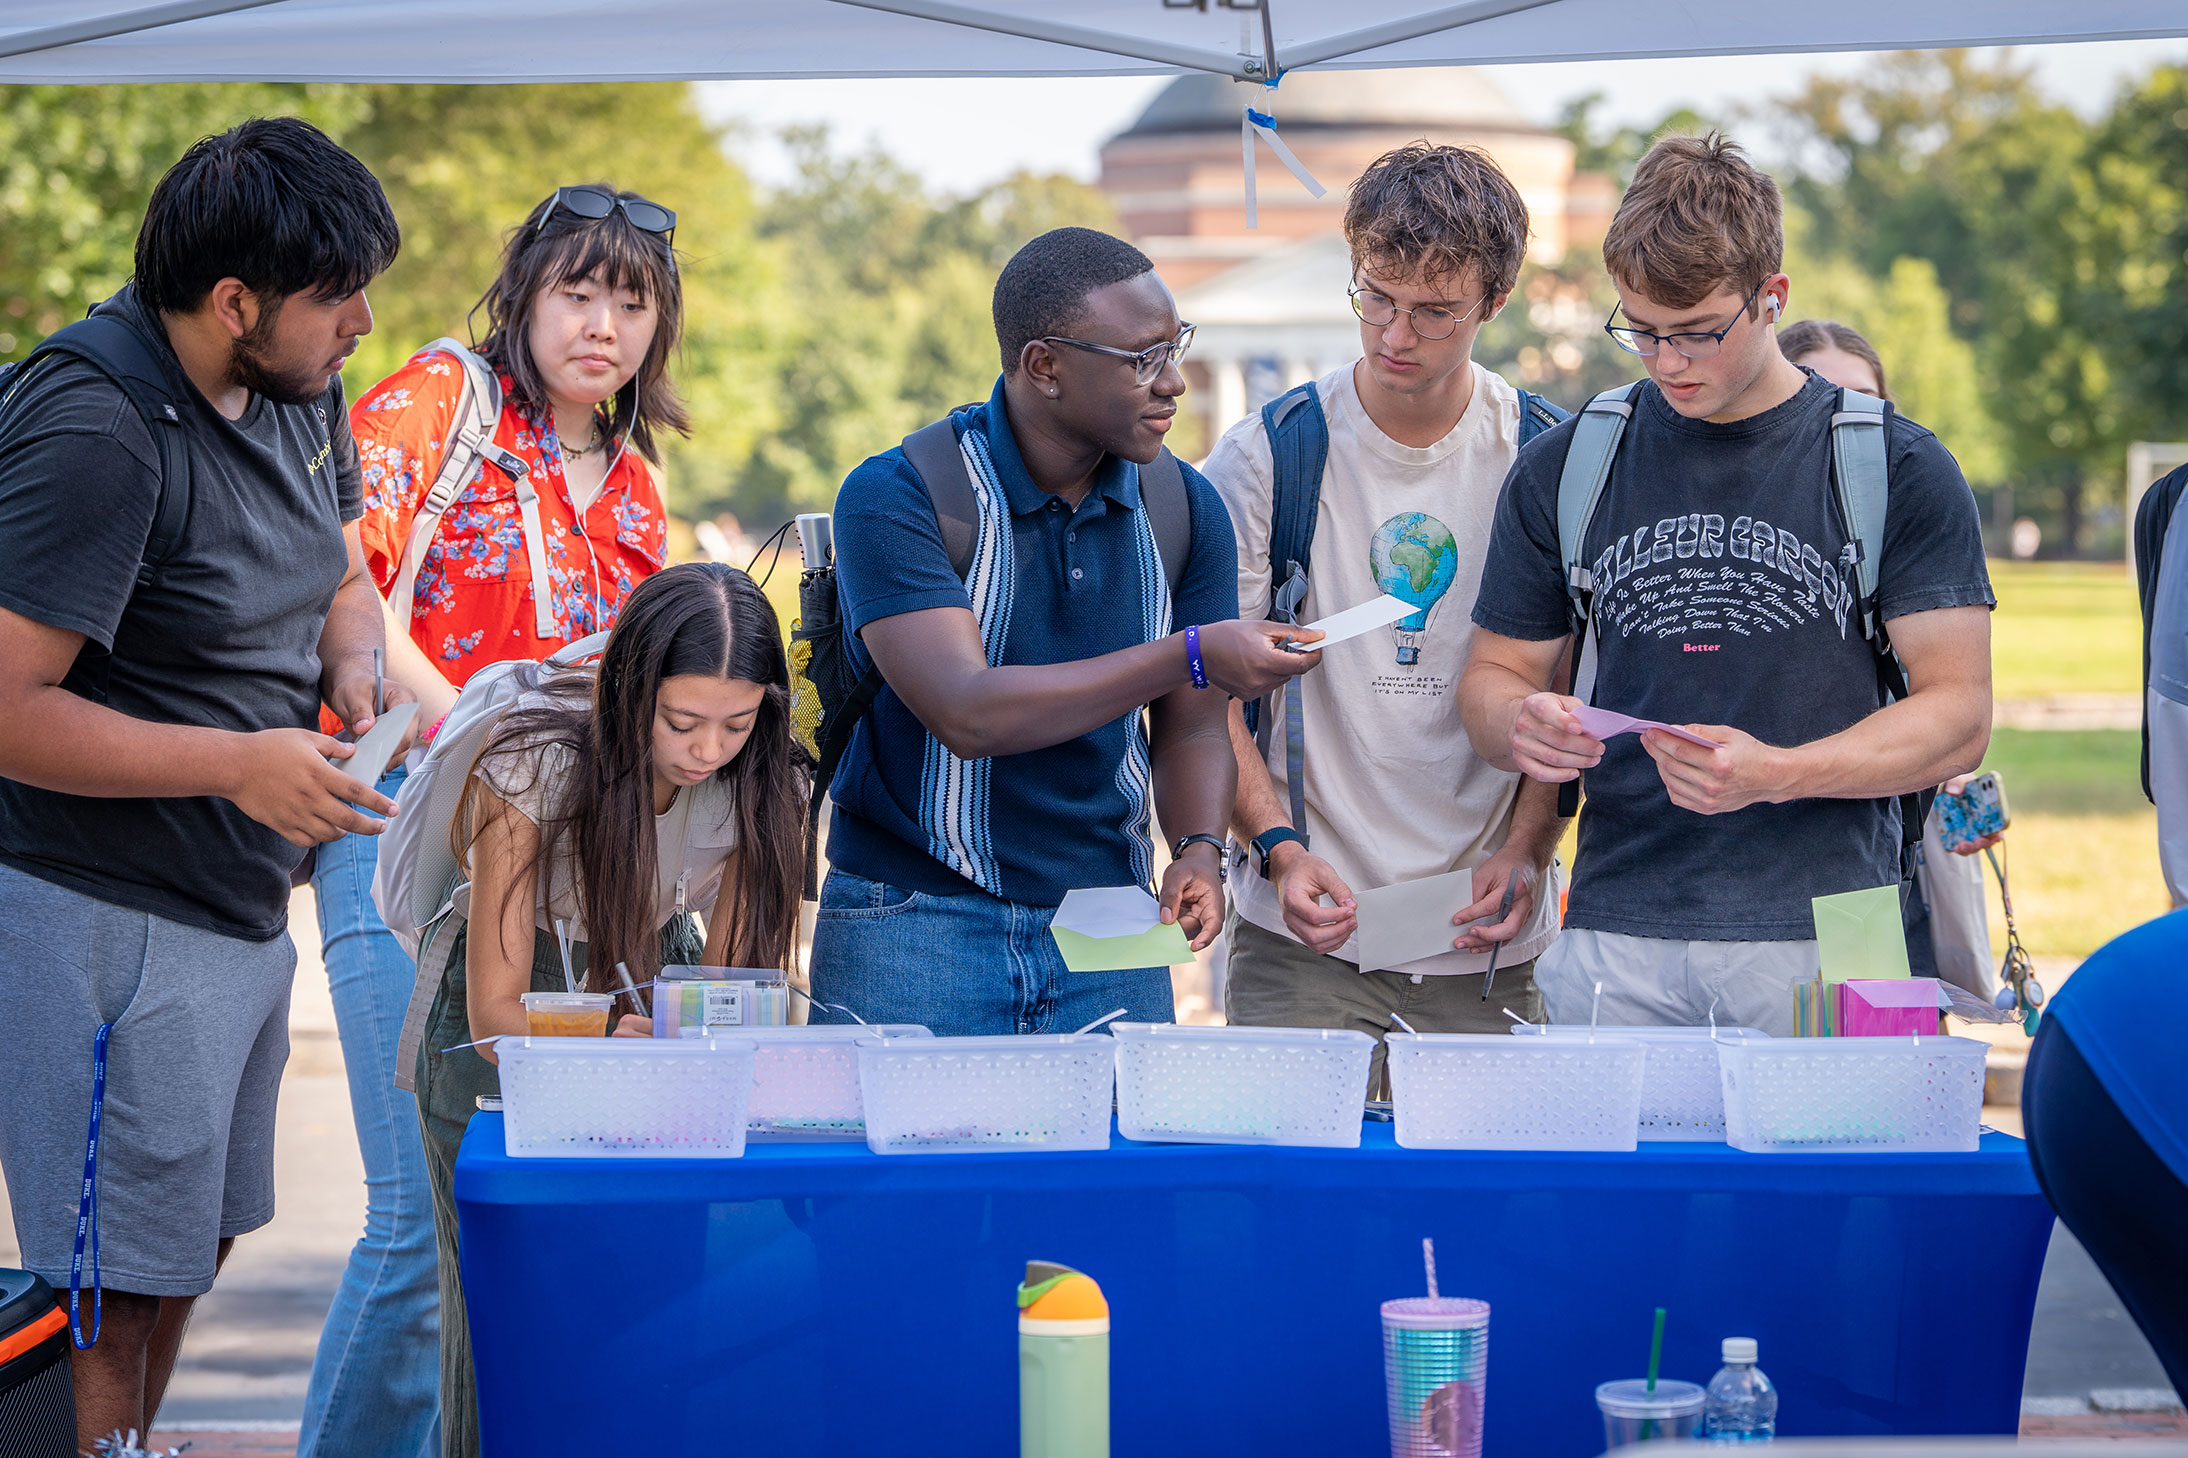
[{"x": 1889, "y": 1007}]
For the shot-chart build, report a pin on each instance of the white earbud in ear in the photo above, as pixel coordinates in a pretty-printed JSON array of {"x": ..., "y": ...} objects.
[{"x": 1774, "y": 307}]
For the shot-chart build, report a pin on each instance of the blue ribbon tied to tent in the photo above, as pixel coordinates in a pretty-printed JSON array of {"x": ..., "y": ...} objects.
[{"x": 1264, "y": 124}]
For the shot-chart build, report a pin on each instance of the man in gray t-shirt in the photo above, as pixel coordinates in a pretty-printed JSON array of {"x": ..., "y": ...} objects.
[
  {"x": 179, "y": 495},
  {"x": 1719, "y": 605}
]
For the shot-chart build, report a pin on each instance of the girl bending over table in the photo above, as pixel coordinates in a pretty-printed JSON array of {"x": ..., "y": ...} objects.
[{"x": 616, "y": 803}]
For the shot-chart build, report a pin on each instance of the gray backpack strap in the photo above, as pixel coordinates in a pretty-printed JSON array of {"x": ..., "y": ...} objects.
[
  {"x": 1580, "y": 489},
  {"x": 1858, "y": 473},
  {"x": 935, "y": 454},
  {"x": 1588, "y": 458},
  {"x": 478, "y": 414},
  {"x": 1169, "y": 514}
]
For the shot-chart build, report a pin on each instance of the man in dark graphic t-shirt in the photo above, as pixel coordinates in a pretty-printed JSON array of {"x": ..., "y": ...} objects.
[
  {"x": 1718, "y": 605},
  {"x": 184, "y": 589}
]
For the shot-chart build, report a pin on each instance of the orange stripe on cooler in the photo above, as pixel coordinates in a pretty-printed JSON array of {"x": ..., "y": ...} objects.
[{"x": 33, "y": 1335}]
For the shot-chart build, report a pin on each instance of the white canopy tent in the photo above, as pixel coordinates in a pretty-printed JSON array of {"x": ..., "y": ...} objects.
[{"x": 585, "y": 40}]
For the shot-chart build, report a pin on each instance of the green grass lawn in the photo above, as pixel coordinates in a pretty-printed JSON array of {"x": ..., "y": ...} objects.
[{"x": 2064, "y": 628}]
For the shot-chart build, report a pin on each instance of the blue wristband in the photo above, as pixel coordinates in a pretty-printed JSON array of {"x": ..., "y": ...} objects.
[{"x": 1192, "y": 657}]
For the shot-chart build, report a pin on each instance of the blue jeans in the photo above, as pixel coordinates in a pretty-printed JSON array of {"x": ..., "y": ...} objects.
[
  {"x": 375, "y": 1384},
  {"x": 964, "y": 964}
]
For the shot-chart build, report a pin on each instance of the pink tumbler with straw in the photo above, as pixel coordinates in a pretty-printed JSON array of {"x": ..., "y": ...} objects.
[{"x": 1435, "y": 1371}]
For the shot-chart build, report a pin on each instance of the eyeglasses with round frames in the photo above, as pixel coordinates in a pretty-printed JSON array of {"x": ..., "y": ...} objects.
[
  {"x": 1430, "y": 321},
  {"x": 1147, "y": 364},
  {"x": 1694, "y": 344}
]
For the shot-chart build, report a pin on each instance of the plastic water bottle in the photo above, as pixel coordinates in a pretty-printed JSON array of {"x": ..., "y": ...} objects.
[
  {"x": 1742, "y": 1406},
  {"x": 1063, "y": 1364}
]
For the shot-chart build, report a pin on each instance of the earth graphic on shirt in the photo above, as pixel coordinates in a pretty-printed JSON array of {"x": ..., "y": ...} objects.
[{"x": 1414, "y": 558}]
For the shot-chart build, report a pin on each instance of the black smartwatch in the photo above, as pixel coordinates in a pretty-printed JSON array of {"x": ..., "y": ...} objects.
[
  {"x": 1269, "y": 840},
  {"x": 1223, "y": 852}
]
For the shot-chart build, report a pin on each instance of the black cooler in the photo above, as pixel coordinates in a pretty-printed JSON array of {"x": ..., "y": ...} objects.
[{"x": 37, "y": 1398}]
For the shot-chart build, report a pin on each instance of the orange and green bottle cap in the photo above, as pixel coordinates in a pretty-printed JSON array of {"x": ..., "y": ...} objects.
[{"x": 1052, "y": 1292}]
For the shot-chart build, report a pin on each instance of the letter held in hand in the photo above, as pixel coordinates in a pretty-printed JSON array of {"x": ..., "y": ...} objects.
[
  {"x": 369, "y": 761},
  {"x": 1603, "y": 723},
  {"x": 1354, "y": 621},
  {"x": 1115, "y": 928}
]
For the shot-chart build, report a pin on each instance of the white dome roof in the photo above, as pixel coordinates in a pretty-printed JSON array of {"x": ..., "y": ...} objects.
[{"x": 1428, "y": 98}]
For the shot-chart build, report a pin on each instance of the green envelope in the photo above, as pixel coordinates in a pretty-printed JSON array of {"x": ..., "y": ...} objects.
[
  {"x": 1860, "y": 934},
  {"x": 1163, "y": 946}
]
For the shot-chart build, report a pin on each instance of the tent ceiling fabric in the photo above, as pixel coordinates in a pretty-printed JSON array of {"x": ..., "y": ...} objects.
[{"x": 659, "y": 40}]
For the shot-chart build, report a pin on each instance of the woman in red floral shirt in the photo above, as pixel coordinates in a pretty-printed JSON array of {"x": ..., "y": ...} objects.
[{"x": 541, "y": 545}]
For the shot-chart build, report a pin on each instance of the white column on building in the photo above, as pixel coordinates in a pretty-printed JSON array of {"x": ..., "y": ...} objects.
[{"x": 1227, "y": 396}]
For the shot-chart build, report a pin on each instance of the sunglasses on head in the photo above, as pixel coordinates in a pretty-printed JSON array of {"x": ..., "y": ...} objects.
[{"x": 595, "y": 203}]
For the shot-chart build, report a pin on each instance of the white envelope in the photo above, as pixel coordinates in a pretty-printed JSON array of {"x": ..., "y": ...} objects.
[
  {"x": 1354, "y": 621},
  {"x": 1108, "y": 911},
  {"x": 1410, "y": 920}
]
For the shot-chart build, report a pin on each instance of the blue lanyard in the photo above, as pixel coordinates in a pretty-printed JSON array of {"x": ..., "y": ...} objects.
[{"x": 87, "y": 1204}]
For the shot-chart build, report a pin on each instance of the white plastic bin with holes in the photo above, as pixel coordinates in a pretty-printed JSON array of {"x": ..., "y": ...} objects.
[
  {"x": 1037, "y": 1091},
  {"x": 1490, "y": 1091},
  {"x": 1682, "y": 1096},
  {"x": 1200, "y": 1085},
  {"x": 805, "y": 1080},
  {"x": 624, "y": 1098},
  {"x": 1786, "y": 1095}
]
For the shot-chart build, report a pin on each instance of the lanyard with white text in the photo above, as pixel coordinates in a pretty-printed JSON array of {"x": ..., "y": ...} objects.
[{"x": 87, "y": 1205}]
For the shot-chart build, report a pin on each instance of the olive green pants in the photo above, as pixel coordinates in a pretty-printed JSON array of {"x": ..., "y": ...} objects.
[{"x": 449, "y": 1087}]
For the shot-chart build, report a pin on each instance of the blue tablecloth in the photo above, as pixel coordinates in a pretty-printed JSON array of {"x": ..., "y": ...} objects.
[{"x": 816, "y": 1298}]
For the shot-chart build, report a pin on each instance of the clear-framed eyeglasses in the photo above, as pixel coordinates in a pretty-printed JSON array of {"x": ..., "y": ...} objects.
[
  {"x": 1430, "y": 321},
  {"x": 1694, "y": 344},
  {"x": 1147, "y": 364}
]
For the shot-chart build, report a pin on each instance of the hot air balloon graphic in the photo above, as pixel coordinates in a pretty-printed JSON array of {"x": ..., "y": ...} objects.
[{"x": 1414, "y": 558}]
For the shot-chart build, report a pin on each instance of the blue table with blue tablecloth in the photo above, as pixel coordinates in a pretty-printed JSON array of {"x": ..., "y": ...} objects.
[{"x": 822, "y": 1299}]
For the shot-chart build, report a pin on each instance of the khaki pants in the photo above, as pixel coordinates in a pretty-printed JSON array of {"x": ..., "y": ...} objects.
[{"x": 1274, "y": 982}]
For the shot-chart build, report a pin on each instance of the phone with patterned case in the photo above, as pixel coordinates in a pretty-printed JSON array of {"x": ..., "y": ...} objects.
[{"x": 1975, "y": 813}]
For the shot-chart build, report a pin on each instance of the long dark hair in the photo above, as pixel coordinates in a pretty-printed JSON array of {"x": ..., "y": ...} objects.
[
  {"x": 703, "y": 618},
  {"x": 555, "y": 246}
]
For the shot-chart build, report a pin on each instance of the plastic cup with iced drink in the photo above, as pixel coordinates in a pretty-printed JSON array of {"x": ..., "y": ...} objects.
[
  {"x": 1634, "y": 1414},
  {"x": 567, "y": 1014}
]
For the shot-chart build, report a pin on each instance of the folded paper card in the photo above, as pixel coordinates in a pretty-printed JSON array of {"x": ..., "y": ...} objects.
[
  {"x": 1860, "y": 934},
  {"x": 1888, "y": 1007},
  {"x": 369, "y": 759},
  {"x": 1603, "y": 723},
  {"x": 1354, "y": 621},
  {"x": 1410, "y": 920},
  {"x": 1114, "y": 928}
]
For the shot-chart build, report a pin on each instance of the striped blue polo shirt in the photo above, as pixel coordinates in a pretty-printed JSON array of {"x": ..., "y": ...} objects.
[{"x": 1048, "y": 585}]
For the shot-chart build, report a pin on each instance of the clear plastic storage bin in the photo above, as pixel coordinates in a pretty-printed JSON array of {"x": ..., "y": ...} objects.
[
  {"x": 1200, "y": 1085},
  {"x": 805, "y": 1079},
  {"x": 1907, "y": 1093},
  {"x": 1682, "y": 1096},
  {"x": 1489, "y": 1091},
  {"x": 624, "y": 1098},
  {"x": 1037, "y": 1091}
]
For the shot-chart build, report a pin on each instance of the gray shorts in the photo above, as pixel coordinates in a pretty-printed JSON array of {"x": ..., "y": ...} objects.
[
  {"x": 186, "y": 1143},
  {"x": 1655, "y": 980}
]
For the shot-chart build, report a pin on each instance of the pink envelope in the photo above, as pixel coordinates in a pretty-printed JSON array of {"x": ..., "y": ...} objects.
[
  {"x": 1889, "y": 1007},
  {"x": 1603, "y": 723}
]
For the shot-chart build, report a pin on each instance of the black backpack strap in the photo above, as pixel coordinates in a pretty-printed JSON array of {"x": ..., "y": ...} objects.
[
  {"x": 1169, "y": 513},
  {"x": 119, "y": 350},
  {"x": 935, "y": 454},
  {"x": 1299, "y": 448},
  {"x": 835, "y": 741}
]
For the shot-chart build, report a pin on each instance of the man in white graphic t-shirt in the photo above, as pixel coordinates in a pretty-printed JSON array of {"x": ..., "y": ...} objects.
[{"x": 1418, "y": 439}]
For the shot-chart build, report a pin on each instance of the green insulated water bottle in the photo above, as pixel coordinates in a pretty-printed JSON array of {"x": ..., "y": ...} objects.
[{"x": 1063, "y": 1365}]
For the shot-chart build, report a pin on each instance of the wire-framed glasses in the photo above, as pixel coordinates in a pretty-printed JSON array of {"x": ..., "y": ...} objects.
[
  {"x": 1147, "y": 364},
  {"x": 1694, "y": 344},
  {"x": 1430, "y": 321}
]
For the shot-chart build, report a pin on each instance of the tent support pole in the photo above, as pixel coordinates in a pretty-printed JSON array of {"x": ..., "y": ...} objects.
[
  {"x": 127, "y": 22},
  {"x": 1307, "y": 53},
  {"x": 1241, "y": 68}
]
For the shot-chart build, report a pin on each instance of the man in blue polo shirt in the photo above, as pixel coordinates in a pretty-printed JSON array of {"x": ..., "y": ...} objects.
[{"x": 1007, "y": 762}]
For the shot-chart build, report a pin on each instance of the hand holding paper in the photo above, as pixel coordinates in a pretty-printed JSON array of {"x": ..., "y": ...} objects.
[
  {"x": 1116, "y": 928},
  {"x": 1604, "y": 723},
  {"x": 1410, "y": 920},
  {"x": 1353, "y": 621}
]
